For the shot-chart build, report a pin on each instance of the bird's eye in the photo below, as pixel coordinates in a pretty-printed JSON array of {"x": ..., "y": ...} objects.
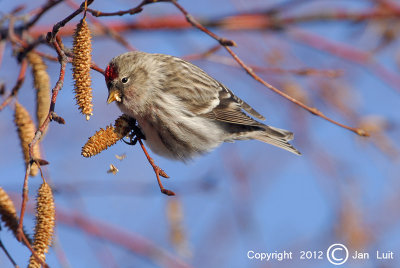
[{"x": 124, "y": 80}]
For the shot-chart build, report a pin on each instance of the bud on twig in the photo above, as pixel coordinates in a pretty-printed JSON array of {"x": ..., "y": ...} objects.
[
  {"x": 81, "y": 61},
  {"x": 105, "y": 138},
  {"x": 26, "y": 132},
  {"x": 44, "y": 228}
]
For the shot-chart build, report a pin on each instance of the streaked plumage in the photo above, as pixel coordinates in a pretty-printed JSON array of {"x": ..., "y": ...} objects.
[{"x": 182, "y": 111}]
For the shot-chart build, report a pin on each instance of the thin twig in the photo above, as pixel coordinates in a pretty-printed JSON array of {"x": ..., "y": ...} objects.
[
  {"x": 18, "y": 84},
  {"x": 25, "y": 190},
  {"x": 331, "y": 73},
  {"x": 8, "y": 254},
  {"x": 312, "y": 110},
  {"x": 42, "y": 11},
  {"x": 38, "y": 134},
  {"x": 131, "y": 11},
  {"x": 223, "y": 41},
  {"x": 51, "y": 35},
  {"x": 29, "y": 246},
  {"x": 112, "y": 33}
]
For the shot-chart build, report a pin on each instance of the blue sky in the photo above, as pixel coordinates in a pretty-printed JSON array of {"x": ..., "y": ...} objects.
[{"x": 242, "y": 196}]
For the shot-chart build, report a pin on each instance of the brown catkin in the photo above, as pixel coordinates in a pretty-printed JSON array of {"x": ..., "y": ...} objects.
[
  {"x": 44, "y": 228},
  {"x": 81, "y": 61},
  {"x": 26, "y": 132},
  {"x": 41, "y": 82},
  {"x": 9, "y": 214},
  {"x": 105, "y": 138}
]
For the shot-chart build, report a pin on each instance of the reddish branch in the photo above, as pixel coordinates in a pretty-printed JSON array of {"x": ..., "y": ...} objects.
[
  {"x": 348, "y": 53},
  {"x": 40, "y": 12},
  {"x": 249, "y": 21},
  {"x": 2, "y": 48},
  {"x": 127, "y": 240},
  {"x": 107, "y": 30},
  {"x": 312, "y": 110},
  {"x": 62, "y": 23},
  {"x": 377, "y": 13},
  {"x": 131, "y": 11},
  {"x": 38, "y": 134},
  {"x": 18, "y": 84},
  {"x": 223, "y": 41},
  {"x": 301, "y": 71}
]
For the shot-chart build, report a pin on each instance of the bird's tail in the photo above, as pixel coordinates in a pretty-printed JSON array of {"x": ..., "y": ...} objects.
[{"x": 277, "y": 137}]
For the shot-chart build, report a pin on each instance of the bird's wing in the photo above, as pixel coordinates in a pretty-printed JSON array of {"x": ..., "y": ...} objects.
[
  {"x": 229, "y": 109},
  {"x": 204, "y": 96},
  {"x": 243, "y": 104}
]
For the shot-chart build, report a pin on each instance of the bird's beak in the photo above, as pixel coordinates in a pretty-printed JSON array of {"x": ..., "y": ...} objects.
[{"x": 114, "y": 95}]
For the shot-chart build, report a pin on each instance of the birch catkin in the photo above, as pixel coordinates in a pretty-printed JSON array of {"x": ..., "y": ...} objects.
[
  {"x": 105, "y": 138},
  {"x": 41, "y": 82},
  {"x": 26, "y": 133},
  {"x": 44, "y": 228},
  {"x": 81, "y": 61},
  {"x": 8, "y": 212}
]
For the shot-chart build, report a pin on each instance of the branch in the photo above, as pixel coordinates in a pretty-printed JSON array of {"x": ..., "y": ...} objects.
[
  {"x": 38, "y": 134},
  {"x": 18, "y": 84},
  {"x": 62, "y": 23},
  {"x": 223, "y": 41},
  {"x": 107, "y": 30},
  {"x": 131, "y": 11},
  {"x": 44, "y": 9},
  {"x": 348, "y": 53},
  {"x": 312, "y": 110}
]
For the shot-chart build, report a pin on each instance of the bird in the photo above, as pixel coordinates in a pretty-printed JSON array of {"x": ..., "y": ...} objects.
[{"x": 182, "y": 111}]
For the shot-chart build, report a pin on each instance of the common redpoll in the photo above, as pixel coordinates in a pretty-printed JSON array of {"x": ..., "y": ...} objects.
[{"x": 181, "y": 110}]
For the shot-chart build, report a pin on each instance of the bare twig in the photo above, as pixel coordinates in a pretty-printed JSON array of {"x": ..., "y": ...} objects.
[
  {"x": 18, "y": 84},
  {"x": 38, "y": 134},
  {"x": 131, "y": 11},
  {"x": 312, "y": 110},
  {"x": 51, "y": 35},
  {"x": 43, "y": 10},
  {"x": 112, "y": 33},
  {"x": 223, "y": 41},
  {"x": 7, "y": 254}
]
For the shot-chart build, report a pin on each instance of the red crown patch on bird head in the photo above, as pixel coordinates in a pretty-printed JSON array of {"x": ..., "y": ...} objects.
[{"x": 110, "y": 73}]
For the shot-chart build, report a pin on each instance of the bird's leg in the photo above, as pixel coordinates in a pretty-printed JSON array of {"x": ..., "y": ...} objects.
[
  {"x": 134, "y": 135},
  {"x": 157, "y": 170}
]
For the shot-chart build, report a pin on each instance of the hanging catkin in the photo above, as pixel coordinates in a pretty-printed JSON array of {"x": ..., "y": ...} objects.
[
  {"x": 105, "y": 138},
  {"x": 41, "y": 82},
  {"x": 26, "y": 132},
  {"x": 9, "y": 214},
  {"x": 44, "y": 228},
  {"x": 81, "y": 61}
]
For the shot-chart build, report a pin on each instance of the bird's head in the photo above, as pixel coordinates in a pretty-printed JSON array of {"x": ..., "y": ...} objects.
[
  {"x": 131, "y": 78},
  {"x": 113, "y": 84}
]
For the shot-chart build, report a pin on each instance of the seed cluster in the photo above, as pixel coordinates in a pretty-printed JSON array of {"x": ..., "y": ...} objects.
[
  {"x": 41, "y": 82},
  {"x": 81, "y": 61},
  {"x": 44, "y": 228},
  {"x": 26, "y": 132},
  {"x": 105, "y": 138}
]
